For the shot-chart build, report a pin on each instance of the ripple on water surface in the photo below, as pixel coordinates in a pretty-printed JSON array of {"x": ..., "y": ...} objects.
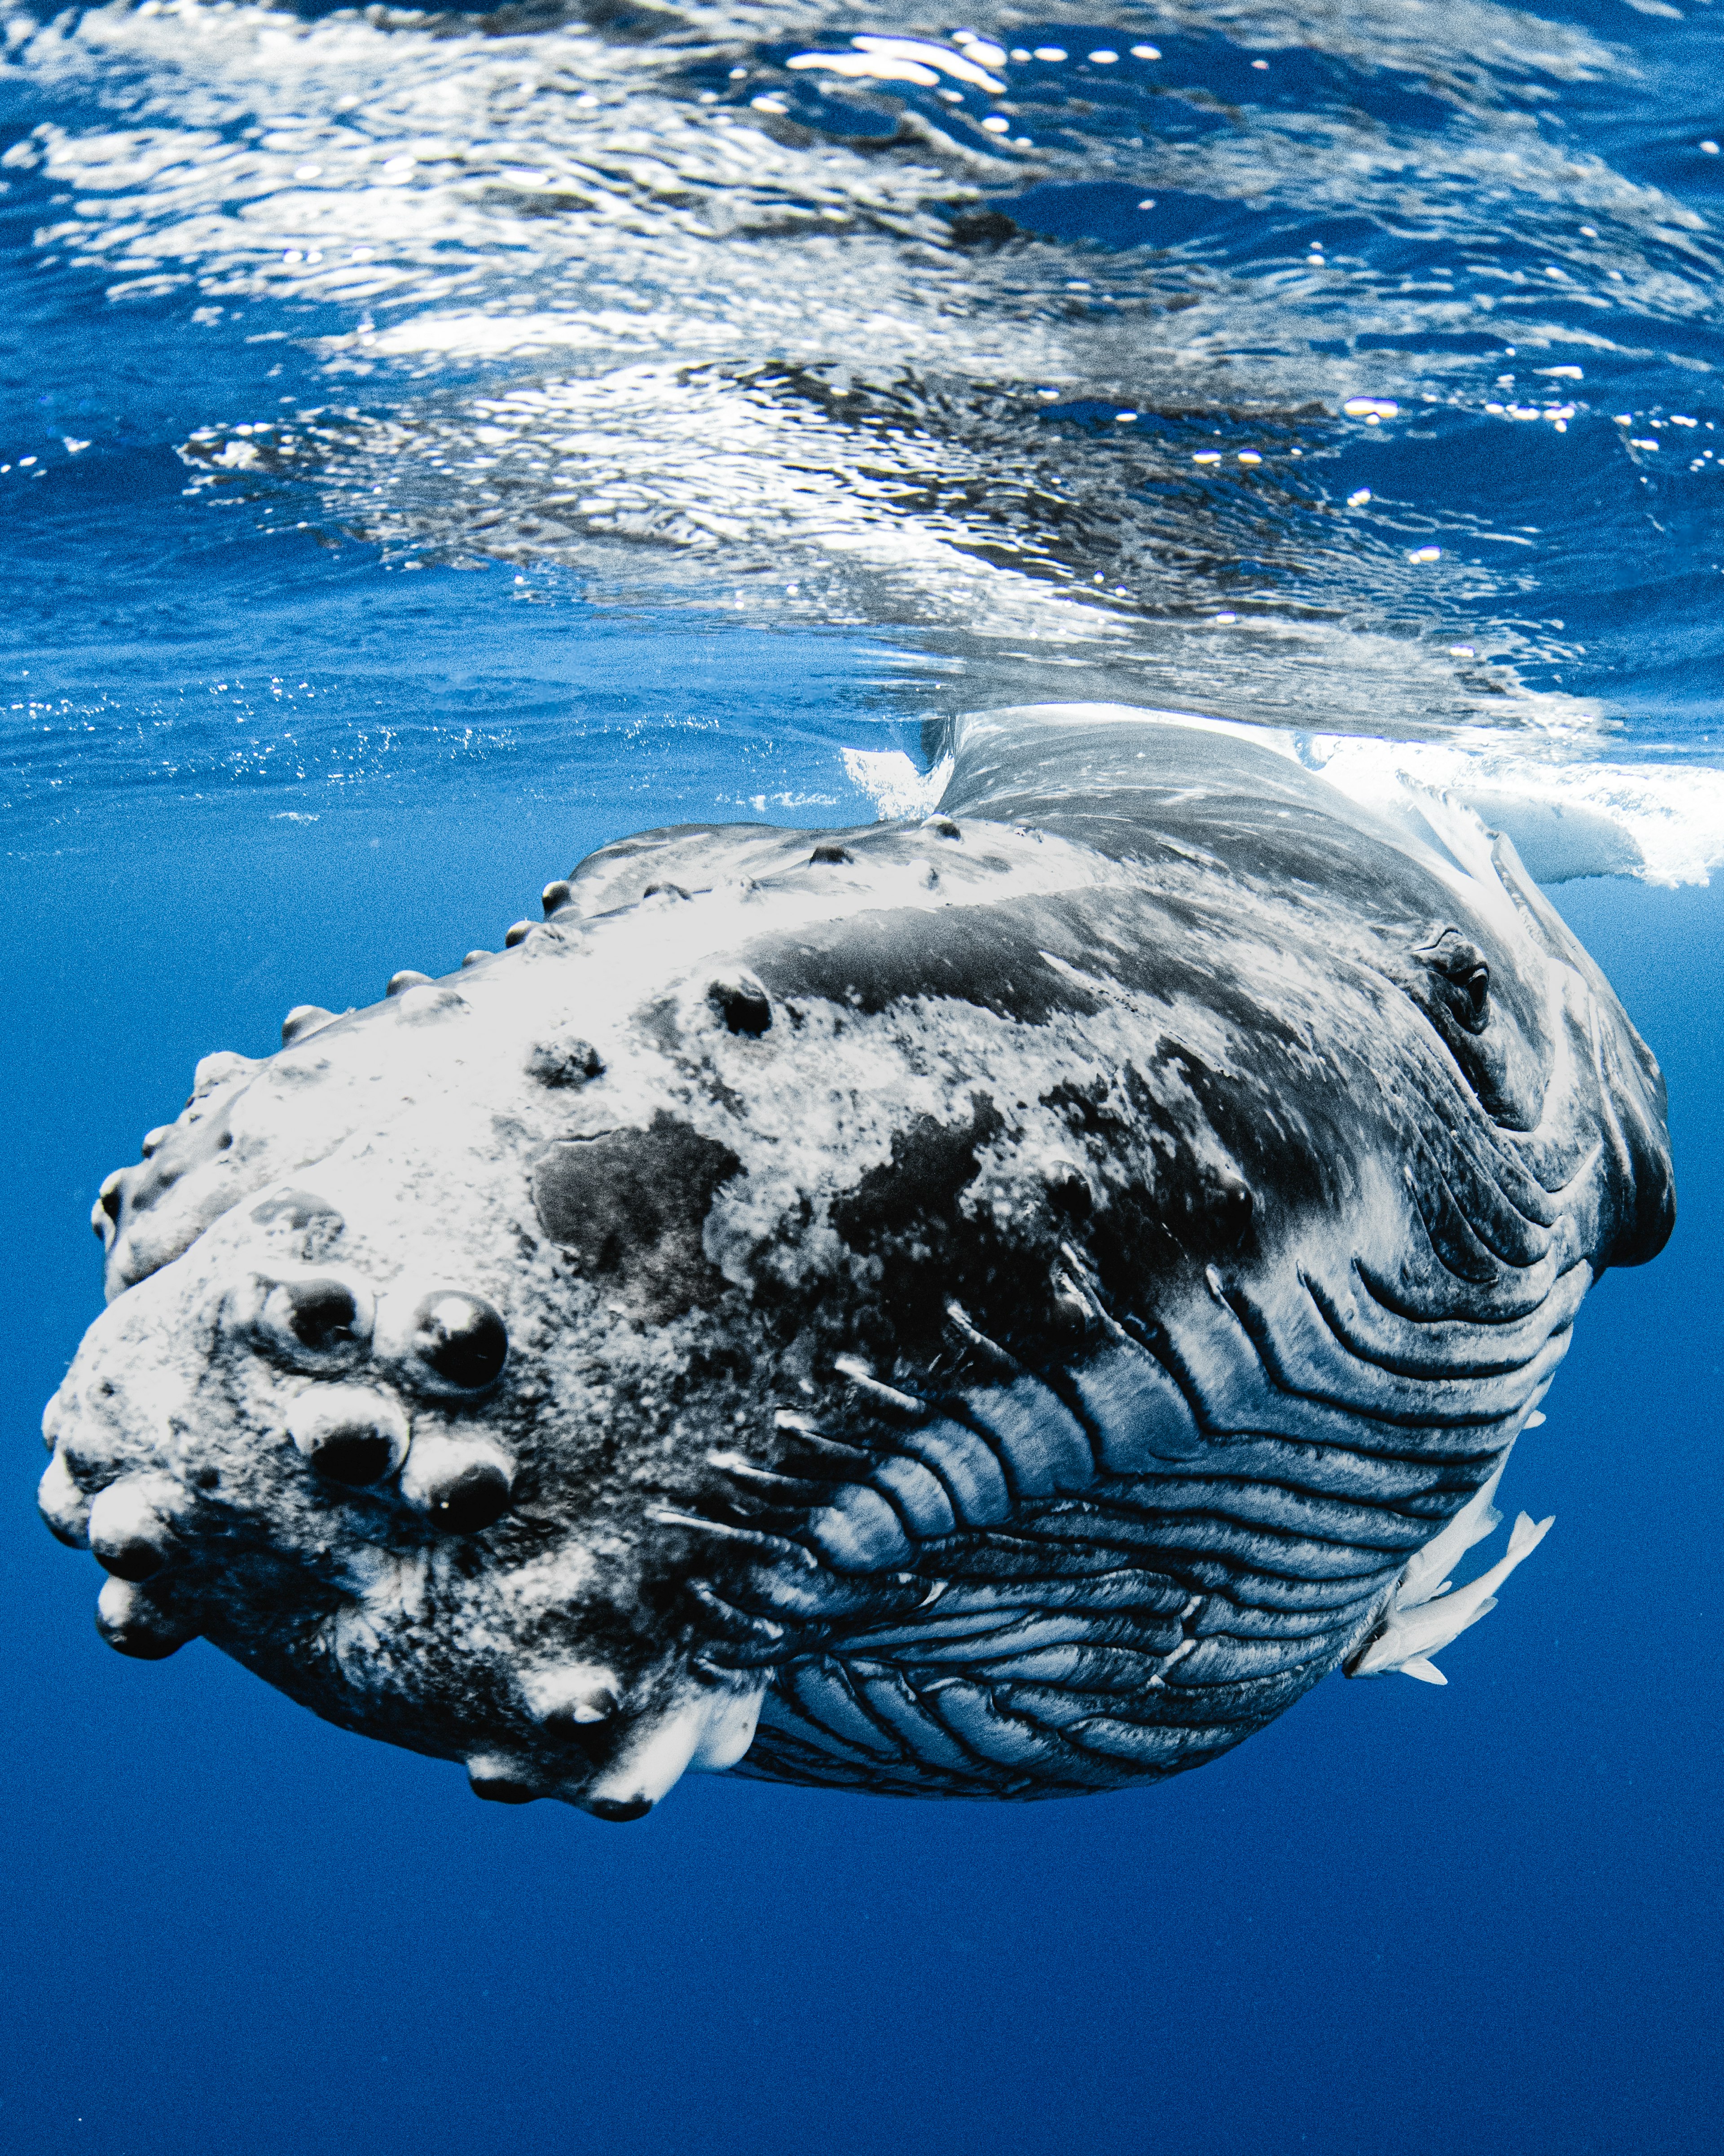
[{"x": 799, "y": 379}]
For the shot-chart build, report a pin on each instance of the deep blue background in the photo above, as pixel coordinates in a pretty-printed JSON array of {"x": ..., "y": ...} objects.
[
  {"x": 242, "y": 768},
  {"x": 1400, "y": 1919}
]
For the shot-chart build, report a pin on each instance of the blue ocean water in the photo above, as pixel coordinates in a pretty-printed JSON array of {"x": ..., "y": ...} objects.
[{"x": 437, "y": 444}]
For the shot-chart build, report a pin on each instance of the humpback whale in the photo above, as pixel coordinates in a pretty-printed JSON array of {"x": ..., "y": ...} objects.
[{"x": 994, "y": 1303}]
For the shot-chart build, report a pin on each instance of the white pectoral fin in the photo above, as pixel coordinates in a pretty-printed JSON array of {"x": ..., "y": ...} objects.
[
  {"x": 1414, "y": 1630},
  {"x": 1477, "y": 1519},
  {"x": 1524, "y": 1537}
]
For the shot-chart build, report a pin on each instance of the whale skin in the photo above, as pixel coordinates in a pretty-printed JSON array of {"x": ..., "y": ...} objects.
[{"x": 989, "y": 1306}]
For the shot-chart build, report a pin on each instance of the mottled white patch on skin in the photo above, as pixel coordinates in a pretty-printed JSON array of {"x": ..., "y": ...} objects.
[{"x": 584, "y": 1692}]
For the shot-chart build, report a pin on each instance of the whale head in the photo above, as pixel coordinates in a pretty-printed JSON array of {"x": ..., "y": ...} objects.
[{"x": 1000, "y": 1297}]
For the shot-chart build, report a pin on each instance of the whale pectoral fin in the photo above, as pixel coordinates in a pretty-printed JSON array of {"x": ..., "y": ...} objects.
[
  {"x": 1421, "y": 1665},
  {"x": 1475, "y": 1522},
  {"x": 1411, "y": 1632}
]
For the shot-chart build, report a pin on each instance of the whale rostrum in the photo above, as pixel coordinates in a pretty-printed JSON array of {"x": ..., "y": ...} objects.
[{"x": 997, "y": 1305}]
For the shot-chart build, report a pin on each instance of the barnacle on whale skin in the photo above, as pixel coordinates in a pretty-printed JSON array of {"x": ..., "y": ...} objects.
[{"x": 993, "y": 1307}]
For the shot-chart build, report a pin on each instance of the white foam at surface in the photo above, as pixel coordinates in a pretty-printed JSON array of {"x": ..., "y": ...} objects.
[
  {"x": 891, "y": 781},
  {"x": 1662, "y": 823}
]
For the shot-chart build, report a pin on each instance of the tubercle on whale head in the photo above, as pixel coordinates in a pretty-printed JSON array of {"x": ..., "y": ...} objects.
[{"x": 147, "y": 1215}]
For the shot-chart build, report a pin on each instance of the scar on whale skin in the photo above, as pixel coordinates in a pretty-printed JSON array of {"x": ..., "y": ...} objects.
[{"x": 999, "y": 1305}]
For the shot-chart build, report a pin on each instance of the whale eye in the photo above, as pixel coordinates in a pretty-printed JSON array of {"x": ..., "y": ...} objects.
[
  {"x": 1460, "y": 966},
  {"x": 316, "y": 1322},
  {"x": 460, "y": 1338}
]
